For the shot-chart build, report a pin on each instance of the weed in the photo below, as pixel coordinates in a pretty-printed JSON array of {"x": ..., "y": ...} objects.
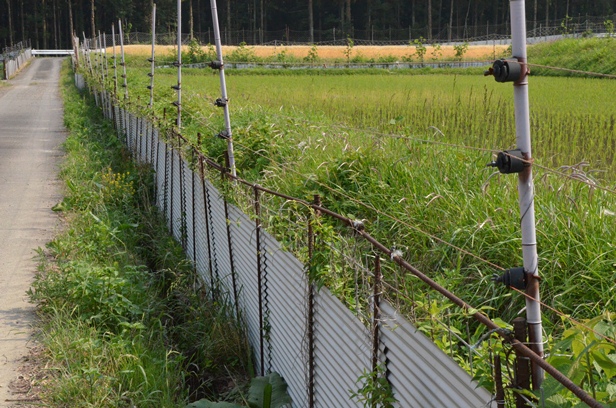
[
  {"x": 375, "y": 390},
  {"x": 420, "y": 48},
  {"x": 348, "y": 51},
  {"x": 460, "y": 50},
  {"x": 436, "y": 52},
  {"x": 609, "y": 28},
  {"x": 313, "y": 55},
  {"x": 243, "y": 53}
]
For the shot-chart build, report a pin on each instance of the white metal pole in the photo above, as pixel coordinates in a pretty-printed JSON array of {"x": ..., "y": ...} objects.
[
  {"x": 115, "y": 62},
  {"x": 100, "y": 56},
  {"x": 179, "y": 86},
  {"x": 153, "y": 53},
  {"x": 526, "y": 188},
  {"x": 123, "y": 63},
  {"x": 105, "y": 55},
  {"x": 223, "y": 88}
]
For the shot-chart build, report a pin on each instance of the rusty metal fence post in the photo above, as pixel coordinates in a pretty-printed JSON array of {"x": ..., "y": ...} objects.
[
  {"x": 522, "y": 366},
  {"x": 311, "y": 301},
  {"x": 257, "y": 206}
]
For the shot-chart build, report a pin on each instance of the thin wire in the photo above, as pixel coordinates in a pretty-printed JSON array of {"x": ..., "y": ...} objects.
[
  {"x": 375, "y": 132},
  {"x": 590, "y": 183},
  {"x": 371, "y": 207},
  {"x": 480, "y": 149},
  {"x": 566, "y": 316},
  {"x": 575, "y": 71}
]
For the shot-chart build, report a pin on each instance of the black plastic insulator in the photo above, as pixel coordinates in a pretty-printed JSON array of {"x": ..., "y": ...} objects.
[
  {"x": 506, "y": 70},
  {"x": 513, "y": 278},
  {"x": 123, "y": 75},
  {"x": 510, "y": 161},
  {"x": 150, "y": 74},
  {"x": 149, "y": 87},
  {"x": 176, "y": 87},
  {"x": 223, "y": 135},
  {"x": 215, "y": 65},
  {"x": 176, "y": 64},
  {"x": 176, "y": 103},
  {"x": 220, "y": 103},
  {"x": 150, "y": 59}
]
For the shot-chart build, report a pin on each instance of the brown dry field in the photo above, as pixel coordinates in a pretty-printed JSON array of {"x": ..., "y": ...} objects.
[{"x": 475, "y": 52}]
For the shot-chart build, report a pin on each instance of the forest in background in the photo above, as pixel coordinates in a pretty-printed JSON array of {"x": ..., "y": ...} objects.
[{"x": 48, "y": 23}]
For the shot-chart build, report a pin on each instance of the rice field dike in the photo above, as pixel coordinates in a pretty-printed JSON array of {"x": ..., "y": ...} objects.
[{"x": 406, "y": 151}]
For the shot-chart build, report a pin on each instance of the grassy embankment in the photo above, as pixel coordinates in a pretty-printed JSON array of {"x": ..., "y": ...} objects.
[
  {"x": 125, "y": 321},
  {"x": 415, "y": 148}
]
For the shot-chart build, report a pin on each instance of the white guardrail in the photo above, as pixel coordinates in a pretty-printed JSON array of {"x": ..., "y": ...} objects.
[{"x": 52, "y": 52}]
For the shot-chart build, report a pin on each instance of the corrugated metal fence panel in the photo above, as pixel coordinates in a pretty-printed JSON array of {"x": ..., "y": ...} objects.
[
  {"x": 201, "y": 235},
  {"x": 342, "y": 352},
  {"x": 168, "y": 183},
  {"x": 116, "y": 117},
  {"x": 176, "y": 198},
  {"x": 132, "y": 125},
  {"x": 160, "y": 168},
  {"x": 218, "y": 234},
  {"x": 243, "y": 241},
  {"x": 189, "y": 182},
  {"x": 139, "y": 139},
  {"x": 420, "y": 373},
  {"x": 287, "y": 302}
]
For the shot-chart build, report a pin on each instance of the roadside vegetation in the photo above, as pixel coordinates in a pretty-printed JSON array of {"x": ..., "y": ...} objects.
[
  {"x": 124, "y": 320},
  {"x": 407, "y": 154}
]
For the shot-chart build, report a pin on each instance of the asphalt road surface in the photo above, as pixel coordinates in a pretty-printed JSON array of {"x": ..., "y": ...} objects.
[{"x": 31, "y": 132}]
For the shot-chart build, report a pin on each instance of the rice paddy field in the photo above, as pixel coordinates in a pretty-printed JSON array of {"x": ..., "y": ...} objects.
[{"x": 406, "y": 151}]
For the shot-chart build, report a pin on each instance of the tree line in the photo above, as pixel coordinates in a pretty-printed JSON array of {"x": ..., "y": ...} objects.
[{"x": 48, "y": 23}]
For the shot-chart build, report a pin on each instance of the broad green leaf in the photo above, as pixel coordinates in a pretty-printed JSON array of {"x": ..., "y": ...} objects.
[
  {"x": 607, "y": 362},
  {"x": 268, "y": 392}
]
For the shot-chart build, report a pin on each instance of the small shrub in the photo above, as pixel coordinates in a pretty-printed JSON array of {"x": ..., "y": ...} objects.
[
  {"x": 436, "y": 52},
  {"x": 609, "y": 28},
  {"x": 564, "y": 25},
  {"x": 243, "y": 53},
  {"x": 313, "y": 55},
  {"x": 420, "y": 48},
  {"x": 375, "y": 390},
  {"x": 348, "y": 52},
  {"x": 460, "y": 50}
]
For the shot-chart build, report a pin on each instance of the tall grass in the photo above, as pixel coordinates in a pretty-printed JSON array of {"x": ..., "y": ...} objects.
[{"x": 125, "y": 321}]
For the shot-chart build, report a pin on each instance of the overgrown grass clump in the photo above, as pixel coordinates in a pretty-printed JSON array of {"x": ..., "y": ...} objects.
[{"x": 125, "y": 320}]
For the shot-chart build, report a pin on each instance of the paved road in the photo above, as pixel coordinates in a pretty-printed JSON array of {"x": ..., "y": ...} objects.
[{"x": 31, "y": 131}]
